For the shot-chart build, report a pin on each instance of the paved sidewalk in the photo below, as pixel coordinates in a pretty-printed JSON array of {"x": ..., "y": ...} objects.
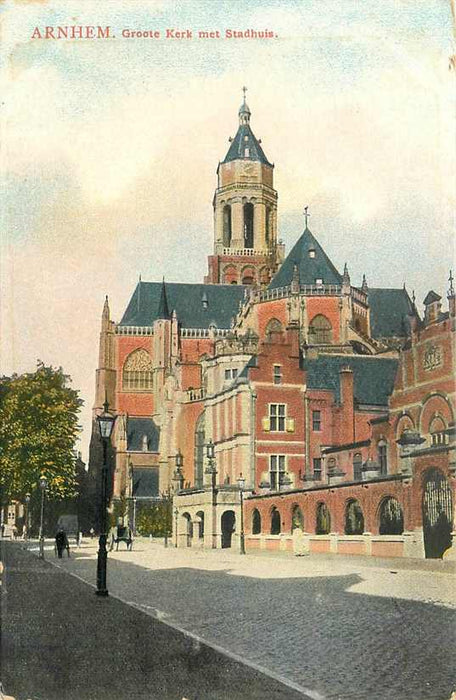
[
  {"x": 60, "y": 642},
  {"x": 341, "y": 628}
]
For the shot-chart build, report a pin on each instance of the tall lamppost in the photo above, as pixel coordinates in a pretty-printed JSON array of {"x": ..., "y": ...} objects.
[
  {"x": 26, "y": 518},
  {"x": 106, "y": 424},
  {"x": 241, "y": 484},
  {"x": 43, "y": 485},
  {"x": 212, "y": 470},
  {"x": 176, "y": 513},
  {"x": 134, "y": 516}
]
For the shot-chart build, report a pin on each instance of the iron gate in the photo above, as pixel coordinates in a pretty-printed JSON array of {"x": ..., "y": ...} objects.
[{"x": 437, "y": 514}]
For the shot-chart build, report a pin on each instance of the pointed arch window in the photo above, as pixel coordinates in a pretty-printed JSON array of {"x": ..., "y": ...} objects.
[
  {"x": 256, "y": 522},
  {"x": 275, "y": 521},
  {"x": 437, "y": 431},
  {"x": 323, "y": 520},
  {"x": 274, "y": 326},
  {"x": 320, "y": 331},
  {"x": 354, "y": 518},
  {"x": 137, "y": 371}
]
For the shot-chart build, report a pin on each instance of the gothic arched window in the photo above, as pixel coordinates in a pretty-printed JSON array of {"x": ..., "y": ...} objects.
[
  {"x": 274, "y": 326},
  {"x": 436, "y": 431},
  {"x": 200, "y": 433},
  {"x": 320, "y": 331},
  {"x": 354, "y": 518},
  {"x": 275, "y": 522},
  {"x": 137, "y": 371},
  {"x": 391, "y": 517},
  {"x": 323, "y": 520},
  {"x": 382, "y": 452},
  {"x": 297, "y": 518},
  {"x": 256, "y": 522}
]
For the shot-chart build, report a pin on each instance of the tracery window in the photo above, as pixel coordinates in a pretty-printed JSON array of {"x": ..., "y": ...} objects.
[
  {"x": 354, "y": 518},
  {"x": 320, "y": 330},
  {"x": 297, "y": 518},
  {"x": 323, "y": 520},
  {"x": 391, "y": 517},
  {"x": 137, "y": 371},
  {"x": 256, "y": 522}
]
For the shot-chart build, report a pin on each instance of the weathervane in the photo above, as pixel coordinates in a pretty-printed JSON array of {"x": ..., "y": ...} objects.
[
  {"x": 244, "y": 90},
  {"x": 306, "y": 214},
  {"x": 450, "y": 280}
]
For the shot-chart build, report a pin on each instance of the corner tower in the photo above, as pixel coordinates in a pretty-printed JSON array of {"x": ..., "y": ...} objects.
[{"x": 245, "y": 213}]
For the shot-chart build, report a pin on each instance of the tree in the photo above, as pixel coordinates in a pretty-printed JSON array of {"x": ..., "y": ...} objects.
[
  {"x": 156, "y": 519},
  {"x": 38, "y": 430}
]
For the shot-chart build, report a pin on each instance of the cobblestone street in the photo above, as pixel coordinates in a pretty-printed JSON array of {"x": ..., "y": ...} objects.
[{"x": 337, "y": 628}]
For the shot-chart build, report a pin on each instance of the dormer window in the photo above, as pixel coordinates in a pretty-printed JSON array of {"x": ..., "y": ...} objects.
[
  {"x": 204, "y": 301},
  {"x": 230, "y": 374},
  {"x": 246, "y": 138},
  {"x": 145, "y": 445},
  {"x": 319, "y": 282},
  {"x": 312, "y": 253},
  {"x": 246, "y": 152}
]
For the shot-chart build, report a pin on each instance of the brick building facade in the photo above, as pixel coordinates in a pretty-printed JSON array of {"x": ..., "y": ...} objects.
[{"x": 333, "y": 402}]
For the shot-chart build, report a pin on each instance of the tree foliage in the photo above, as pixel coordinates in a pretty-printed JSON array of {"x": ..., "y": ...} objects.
[
  {"x": 155, "y": 520},
  {"x": 38, "y": 429}
]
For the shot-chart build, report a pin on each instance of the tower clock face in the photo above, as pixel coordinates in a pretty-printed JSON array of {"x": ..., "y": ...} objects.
[{"x": 248, "y": 169}]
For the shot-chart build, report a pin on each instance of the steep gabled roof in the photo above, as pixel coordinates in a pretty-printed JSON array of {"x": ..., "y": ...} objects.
[
  {"x": 310, "y": 268},
  {"x": 390, "y": 311},
  {"x": 373, "y": 377},
  {"x": 221, "y": 303},
  {"x": 431, "y": 297},
  {"x": 246, "y": 139}
]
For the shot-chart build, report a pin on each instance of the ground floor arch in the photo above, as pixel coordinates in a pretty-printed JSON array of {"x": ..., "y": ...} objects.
[
  {"x": 228, "y": 526},
  {"x": 437, "y": 512}
]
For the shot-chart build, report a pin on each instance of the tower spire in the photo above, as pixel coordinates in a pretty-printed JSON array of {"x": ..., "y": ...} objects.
[
  {"x": 306, "y": 215},
  {"x": 163, "y": 308},
  {"x": 244, "y": 111}
]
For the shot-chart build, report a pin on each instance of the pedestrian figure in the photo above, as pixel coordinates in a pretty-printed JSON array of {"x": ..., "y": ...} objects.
[
  {"x": 14, "y": 532},
  {"x": 79, "y": 539},
  {"x": 3, "y": 529},
  {"x": 92, "y": 533},
  {"x": 61, "y": 542}
]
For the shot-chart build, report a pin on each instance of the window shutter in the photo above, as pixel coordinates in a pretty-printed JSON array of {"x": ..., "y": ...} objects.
[
  {"x": 290, "y": 425},
  {"x": 266, "y": 424}
]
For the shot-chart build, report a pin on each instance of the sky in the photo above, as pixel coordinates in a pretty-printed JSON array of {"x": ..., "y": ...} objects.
[{"x": 110, "y": 149}]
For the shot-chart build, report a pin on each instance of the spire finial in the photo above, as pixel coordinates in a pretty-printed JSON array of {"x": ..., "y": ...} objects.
[
  {"x": 306, "y": 214},
  {"x": 163, "y": 308},
  {"x": 244, "y": 111},
  {"x": 451, "y": 287},
  {"x": 244, "y": 90}
]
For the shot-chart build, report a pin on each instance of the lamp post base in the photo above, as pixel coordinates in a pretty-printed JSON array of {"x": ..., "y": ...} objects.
[
  {"x": 101, "y": 567},
  {"x": 102, "y": 594},
  {"x": 242, "y": 548}
]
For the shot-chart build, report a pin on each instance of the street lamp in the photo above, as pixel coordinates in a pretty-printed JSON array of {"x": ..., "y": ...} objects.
[
  {"x": 241, "y": 484},
  {"x": 106, "y": 424},
  {"x": 134, "y": 516},
  {"x": 43, "y": 485},
  {"x": 176, "y": 513},
  {"x": 26, "y": 518},
  {"x": 210, "y": 454}
]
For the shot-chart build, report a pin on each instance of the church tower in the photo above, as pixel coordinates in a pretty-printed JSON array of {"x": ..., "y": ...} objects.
[{"x": 245, "y": 213}]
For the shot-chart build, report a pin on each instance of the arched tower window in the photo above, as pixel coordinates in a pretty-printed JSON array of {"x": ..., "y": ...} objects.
[
  {"x": 248, "y": 225},
  {"x": 268, "y": 226},
  {"x": 256, "y": 522},
  {"x": 320, "y": 331},
  {"x": 137, "y": 371},
  {"x": 357, "y": 467},
  {"x": 227, "y": 226},
  {"x": 200, "y": 439}
]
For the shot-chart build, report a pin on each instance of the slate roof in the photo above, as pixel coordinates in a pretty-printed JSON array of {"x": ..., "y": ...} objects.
[
  {"x": 136, "y": 429},
  {"x": 431, "y": 297},
  {"x": 187, "y": 300},
  {"x": 389, "y": 312},
  {"x": 145, "y": 482},
  {"x": 310, "y": 269},
  {"x": 245, "y": 138},
  {"x": 373, "y": 377}
]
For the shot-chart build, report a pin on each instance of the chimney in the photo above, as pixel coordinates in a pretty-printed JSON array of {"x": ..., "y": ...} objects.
[{"x": 347, "y": 427}]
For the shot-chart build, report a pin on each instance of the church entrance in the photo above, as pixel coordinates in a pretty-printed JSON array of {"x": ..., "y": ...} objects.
[
  {"x": 228, "y": 524},
  {"x": 437, "y": 509}
]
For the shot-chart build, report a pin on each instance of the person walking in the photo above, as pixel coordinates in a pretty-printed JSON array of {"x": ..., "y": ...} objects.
[{"x": 61, "y": 542}]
